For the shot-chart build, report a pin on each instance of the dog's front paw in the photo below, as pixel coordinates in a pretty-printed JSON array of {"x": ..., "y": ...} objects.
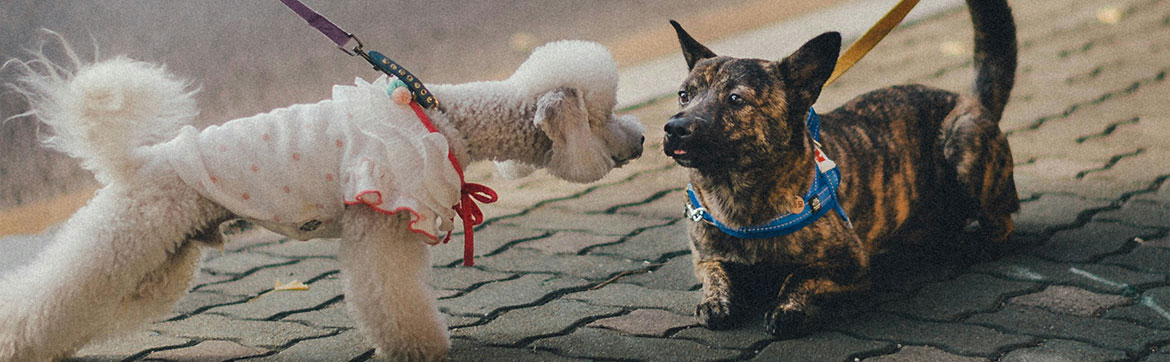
[
  {"x": 714, "y": 313},
  {"x": 787, "y": 322}
]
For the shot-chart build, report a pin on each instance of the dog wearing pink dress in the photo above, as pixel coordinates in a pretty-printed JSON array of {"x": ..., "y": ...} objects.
[{"x": 358, "y": 166}]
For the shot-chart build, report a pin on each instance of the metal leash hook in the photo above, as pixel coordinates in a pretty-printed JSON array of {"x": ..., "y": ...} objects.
[
  {"x": 380, "y": 62},
  {"x": 357, "y": 49}
]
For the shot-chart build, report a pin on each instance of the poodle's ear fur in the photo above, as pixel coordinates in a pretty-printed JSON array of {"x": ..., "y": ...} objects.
[{"x": 576, "y": 155}]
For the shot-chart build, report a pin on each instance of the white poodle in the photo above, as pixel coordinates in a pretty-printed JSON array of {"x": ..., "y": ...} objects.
[{"x": 343, "y": 167}]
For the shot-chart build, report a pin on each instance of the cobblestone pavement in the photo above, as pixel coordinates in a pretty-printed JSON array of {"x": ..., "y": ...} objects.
[{"x": 602, "y": 271}]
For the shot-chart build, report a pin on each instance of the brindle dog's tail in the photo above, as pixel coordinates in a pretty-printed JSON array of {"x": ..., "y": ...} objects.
[{"x": 995, "y": 53}]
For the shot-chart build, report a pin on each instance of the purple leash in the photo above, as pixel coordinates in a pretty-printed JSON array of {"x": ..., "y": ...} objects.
[
  {"x": 380, "y": 62},
  {"x": 331, "y": 30}
]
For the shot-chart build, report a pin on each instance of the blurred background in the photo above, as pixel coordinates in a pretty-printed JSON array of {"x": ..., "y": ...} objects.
[{"x": 248, "y": 57}]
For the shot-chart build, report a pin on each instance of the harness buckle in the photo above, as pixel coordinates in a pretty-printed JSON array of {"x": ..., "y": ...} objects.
[{"x": 815, "y": 203}]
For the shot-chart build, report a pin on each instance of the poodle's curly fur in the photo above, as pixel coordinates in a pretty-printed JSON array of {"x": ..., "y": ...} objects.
[{"x": 129, "y": 255}]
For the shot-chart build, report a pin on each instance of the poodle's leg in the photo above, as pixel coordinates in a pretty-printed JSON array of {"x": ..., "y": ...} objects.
[
  {"x": 385, "y": 265},
  {"x": 118, "y": 262}
]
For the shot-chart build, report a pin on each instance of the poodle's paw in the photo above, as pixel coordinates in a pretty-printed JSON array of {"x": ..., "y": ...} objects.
[{"x": 714, "y": 313}]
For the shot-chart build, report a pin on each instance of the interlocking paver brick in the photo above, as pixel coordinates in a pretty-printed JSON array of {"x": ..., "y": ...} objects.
[
  {"x": 213, "y": 350},
  {"x": 922, "y": 354},
  {"x": 742, "y": 336},
  {"x": 1071, "y": 300},
  {"x": 668, "y": 206},
  {"x": 264, "y": 279},
  {"x": 633, "y": 296},
  {"x": 1063, "y": 350},
  {"x": 273, "y": 304},
  {"x": 1163, "y": 242},
  {"x": 678, "y": 273},
  {"x": 334, "y": 315},
  {"x": 568, "y": 242},
  {"x": 298, "y": 249},
  {"x": 516, "y": 326},
  {"x": 1159, "y": 357},
  {"x": 268, "y": 334},
  {"x": 645, "y": 322},
  {"x": 463, "y": 350},
  {"x": 1144, "y": 258},
  {"x": 1090, "y": 242},
  {"x": 651, "y": 244},
  {"x": 965, "y": 295},
  {"x": 965, "y": 339},
  {"x": 1161, "y": 195},
  {"x": 525, "y": 290},
  {"x": 825, "y": 346},
  {"x": 487, "y": 240},
  {"x": 551, "y": 219},
  {"x": 590, "y": 267},
  {"x": 649, "y": 183},
  {"x": 116, "y": 349},
  {"x": 1152, "y": 309},
  {"x": 1139, "y": 212},
  {"x": 462, "y": 278},
  {"x": 237, "y": 263},
  {"x": 344, "y": 346},
  {"x": 1112, "y": 334},
  {"x": 604, "y": 343},
  {"x": 200, "y": 300},
  {"x": 1109, "y": 279},
  {"x": 1052, "y": 210}
]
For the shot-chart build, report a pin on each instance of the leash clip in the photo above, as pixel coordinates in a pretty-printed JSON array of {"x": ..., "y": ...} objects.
[
  {"x": 357, "y": 49},
  {"x": 695, "y": 214}
]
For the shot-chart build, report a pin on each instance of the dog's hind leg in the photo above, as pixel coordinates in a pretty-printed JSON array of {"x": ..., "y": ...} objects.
[
  {"x": 981, "y": 160},
  {"x": 117, "y": 263},
  {"x": 385, "y": 266}
]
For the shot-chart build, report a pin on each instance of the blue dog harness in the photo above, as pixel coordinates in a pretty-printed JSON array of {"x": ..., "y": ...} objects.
[{"x": 820, "y": 198}]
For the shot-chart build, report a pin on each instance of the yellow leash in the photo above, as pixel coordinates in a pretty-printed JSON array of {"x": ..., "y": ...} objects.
[{"x": 875, "y": 34}]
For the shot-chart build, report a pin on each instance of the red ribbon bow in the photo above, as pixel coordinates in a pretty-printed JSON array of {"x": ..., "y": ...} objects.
[{"x": 469, "y": 193}]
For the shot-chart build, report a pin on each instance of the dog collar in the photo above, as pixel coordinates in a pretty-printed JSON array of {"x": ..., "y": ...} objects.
[{"x": 820, "y": 198}]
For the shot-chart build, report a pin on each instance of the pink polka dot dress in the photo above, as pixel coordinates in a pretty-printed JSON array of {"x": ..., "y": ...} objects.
[{"x": 293, "y": 170}]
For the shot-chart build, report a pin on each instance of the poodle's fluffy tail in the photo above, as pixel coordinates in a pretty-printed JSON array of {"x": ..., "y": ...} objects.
[{"x": 103, "y": 112}]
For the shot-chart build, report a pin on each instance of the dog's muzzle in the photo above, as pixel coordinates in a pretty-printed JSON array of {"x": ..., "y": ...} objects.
[{"x": 679, "y": 133}]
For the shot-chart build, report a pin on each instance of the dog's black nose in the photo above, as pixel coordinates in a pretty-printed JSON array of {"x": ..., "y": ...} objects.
[{"x": 680, "y": 128}]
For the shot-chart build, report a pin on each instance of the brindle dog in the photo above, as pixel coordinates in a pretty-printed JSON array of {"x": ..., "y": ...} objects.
[{"x": 915, "y": 162}]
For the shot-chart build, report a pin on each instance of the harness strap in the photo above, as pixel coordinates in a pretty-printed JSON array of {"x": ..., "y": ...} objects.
[{"x": 818, "y": 200}]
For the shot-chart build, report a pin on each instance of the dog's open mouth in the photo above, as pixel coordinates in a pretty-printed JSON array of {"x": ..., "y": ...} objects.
[{"x": 680, "y": 155}]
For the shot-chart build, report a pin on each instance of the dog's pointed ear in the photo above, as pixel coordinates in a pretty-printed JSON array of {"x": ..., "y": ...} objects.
[
  {"x": 692, "y": 50},
  {"x": 576, "y": 155},
  {"x": 806, "y": 70}
]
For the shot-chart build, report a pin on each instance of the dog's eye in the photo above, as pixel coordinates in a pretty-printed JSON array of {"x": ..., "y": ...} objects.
[
  {"x": 735, "y": 99},
  {"x": 683, "y": 97}
]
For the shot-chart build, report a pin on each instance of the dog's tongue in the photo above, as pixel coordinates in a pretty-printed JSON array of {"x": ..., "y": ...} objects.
[{"x": 680, "y": 152}]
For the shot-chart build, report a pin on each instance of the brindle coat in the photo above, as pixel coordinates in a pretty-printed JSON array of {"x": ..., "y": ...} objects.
[{"x": 915, "y": 162}]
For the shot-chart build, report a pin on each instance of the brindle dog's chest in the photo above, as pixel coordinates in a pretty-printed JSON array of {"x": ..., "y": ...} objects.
[{"x": 892, "y": 187}]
